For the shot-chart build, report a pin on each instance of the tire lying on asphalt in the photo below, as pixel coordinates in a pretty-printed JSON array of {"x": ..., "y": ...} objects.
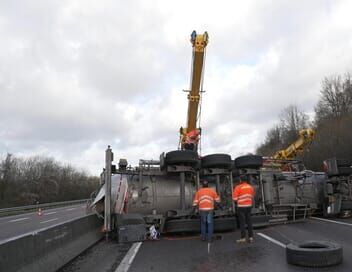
[
  {"x": 249, "y": 161},
  {"x": 188, "y": 157},
  {"x": 217, "y": 161},
  {"x": 314, "y": 253}
]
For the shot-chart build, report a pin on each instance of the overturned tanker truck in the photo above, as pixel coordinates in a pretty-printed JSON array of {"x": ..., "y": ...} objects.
[{"x": 159, "y": 193}]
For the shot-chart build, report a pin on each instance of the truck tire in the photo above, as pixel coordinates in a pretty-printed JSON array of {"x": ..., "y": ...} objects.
[
  {"x": 314, "y": 254},
  {"x": 249, "y": 161},
  {"x": 181, "y": 157},
  {"x": 217, "y": 161}
]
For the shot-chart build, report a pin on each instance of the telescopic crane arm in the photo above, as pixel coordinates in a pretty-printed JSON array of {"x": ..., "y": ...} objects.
[
  {"x": 306, "y": 136},
  {"x": 199, "y": 43}
]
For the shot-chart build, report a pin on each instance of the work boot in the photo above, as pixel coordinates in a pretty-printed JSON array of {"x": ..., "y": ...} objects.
[
  {"x": 242, "y": 240},
  {"x": 250, "y": 240}
]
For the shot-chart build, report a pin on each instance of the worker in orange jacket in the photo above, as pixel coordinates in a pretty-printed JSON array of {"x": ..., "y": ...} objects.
[
  {"x": 243, "y": 195},
  {"x": 204, "y": 199}
]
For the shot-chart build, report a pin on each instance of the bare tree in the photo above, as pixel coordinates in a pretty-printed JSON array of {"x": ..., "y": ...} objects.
[
  {"x": 25, "y": 181},
  {"x": 336, "y": 98},
  {"x": 292, "y": 120},
  {"x": 272, "y": 142}
]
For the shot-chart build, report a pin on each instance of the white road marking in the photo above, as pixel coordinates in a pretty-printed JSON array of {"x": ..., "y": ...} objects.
[
  {"x": 331, "y": 221},
  {"x": 128, "y": 259},
  {"x": 49, "y": 220},
  {"x": 70, "y": 209},
  {"x": 19, "y": 219},
  {"x": 50, "y": 213},
  {"x": 271, "y": 239}
]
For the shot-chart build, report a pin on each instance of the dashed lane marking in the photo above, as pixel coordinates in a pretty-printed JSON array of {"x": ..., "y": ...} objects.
[
  {"x": 271, "y": 239},
  {"x": 49, "y": 220},
  {"x": 50, "y": 213},
  {"x": 70, "y": 209},
  {"x": 19, "y": 219},
  {"x": 331, "y": 221},
  {"x": 128, "y": 259}
]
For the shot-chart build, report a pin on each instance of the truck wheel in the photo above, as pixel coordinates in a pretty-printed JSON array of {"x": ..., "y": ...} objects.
[
  {"x": 217, "y": 161},
  {"x": 181, "y": 157},
  {"x": 249, "y": 161},
  {"x": 314, "y": 254}
]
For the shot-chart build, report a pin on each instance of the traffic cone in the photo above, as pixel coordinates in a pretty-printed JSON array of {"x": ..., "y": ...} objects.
[{"x": 40, "y": 213}]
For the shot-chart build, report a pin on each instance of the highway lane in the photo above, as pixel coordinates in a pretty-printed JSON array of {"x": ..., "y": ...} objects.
[
  {"x": 188, "y": 253},
  {"x": 17, "y": 225},
  {"x": 267, "y": 253}
]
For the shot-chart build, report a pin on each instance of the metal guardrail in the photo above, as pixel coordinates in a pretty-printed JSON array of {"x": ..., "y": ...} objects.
[{"x": 23, "y": 209}]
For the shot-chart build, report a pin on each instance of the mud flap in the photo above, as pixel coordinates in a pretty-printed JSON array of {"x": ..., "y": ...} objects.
[{"x": 129, "y": 228}]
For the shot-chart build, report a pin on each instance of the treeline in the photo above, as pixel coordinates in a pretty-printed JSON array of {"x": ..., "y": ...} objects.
[
  {"x": 40, "y": 179},
  {"x": 332, "y": 122}
]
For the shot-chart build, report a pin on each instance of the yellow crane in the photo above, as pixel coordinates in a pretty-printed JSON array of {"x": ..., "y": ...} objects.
[
  {"x": 199, "y": 43},
  {"x": 306, "y": 136}
]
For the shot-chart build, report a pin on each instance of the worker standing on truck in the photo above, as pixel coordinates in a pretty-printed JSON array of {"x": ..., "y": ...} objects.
[
  {"x": 192, "y": 139},
  {"x": 243, "y": 195},
  {"x": 204, "y": 199}
]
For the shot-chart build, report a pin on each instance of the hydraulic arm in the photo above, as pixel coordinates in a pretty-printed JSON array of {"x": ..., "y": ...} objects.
[
  {"x": 199, "y": 43},
  {"x": 306, "y": 136}
]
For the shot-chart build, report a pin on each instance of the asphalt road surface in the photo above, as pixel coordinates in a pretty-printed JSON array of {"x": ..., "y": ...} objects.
[
  {"x": 267, "y": 253},
  {"x": 188, "y": 253},
  {"x": 17, "y": 225}
]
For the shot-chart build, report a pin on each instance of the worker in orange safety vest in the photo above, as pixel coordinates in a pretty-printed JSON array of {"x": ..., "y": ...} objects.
[
  {"x": 243, "y": 195},
  {"x": 204, "y": 199},
  {"x": 192, "y": 139}
]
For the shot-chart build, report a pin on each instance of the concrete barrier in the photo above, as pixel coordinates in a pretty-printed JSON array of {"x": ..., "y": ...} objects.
[{"x": 50, "y": 248}]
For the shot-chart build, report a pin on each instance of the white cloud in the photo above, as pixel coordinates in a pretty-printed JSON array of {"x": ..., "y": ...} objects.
[{"x": 76, "y": 76}]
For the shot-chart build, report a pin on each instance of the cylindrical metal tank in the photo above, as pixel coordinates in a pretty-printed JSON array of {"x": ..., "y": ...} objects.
[{"x": 149, "y": 194}]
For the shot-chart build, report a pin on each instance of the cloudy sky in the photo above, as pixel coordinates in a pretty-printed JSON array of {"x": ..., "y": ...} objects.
[{"x": 76, "y": 76}]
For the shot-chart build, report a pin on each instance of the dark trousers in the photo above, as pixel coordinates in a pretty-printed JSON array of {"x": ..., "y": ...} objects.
[
  {"x": 244, "y": 216},
  {"x": 206, "y": 224}
]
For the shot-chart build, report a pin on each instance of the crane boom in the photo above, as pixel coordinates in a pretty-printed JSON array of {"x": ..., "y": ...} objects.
[
  {"x": 306, "y": 136},
  {"x": 199, "y": 43}
]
